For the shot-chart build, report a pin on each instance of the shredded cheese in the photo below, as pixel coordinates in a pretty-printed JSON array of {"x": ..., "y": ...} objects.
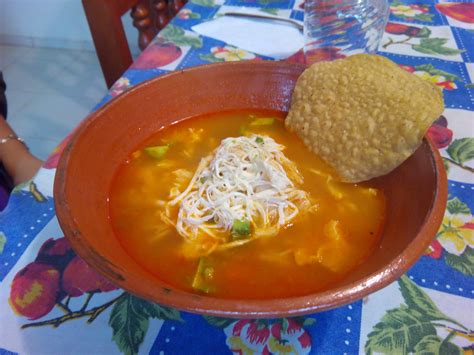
[{"x": 246, "y": 178}]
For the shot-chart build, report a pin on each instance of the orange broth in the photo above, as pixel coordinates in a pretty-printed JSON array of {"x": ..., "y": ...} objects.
[{"x": 318, "y": 249}]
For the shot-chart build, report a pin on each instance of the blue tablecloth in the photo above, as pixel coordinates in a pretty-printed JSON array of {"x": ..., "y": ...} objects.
[{"x": 429, "y": 310}]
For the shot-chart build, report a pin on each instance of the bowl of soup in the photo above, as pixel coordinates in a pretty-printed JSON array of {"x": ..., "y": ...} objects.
[{"x": 187, "y": 190}]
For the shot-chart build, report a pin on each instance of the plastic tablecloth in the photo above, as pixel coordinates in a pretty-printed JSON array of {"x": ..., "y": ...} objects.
[{"x": 429, "y": 310}]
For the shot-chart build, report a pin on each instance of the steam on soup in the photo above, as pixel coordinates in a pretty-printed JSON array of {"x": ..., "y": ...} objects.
[{"x": 233, "y": 205}]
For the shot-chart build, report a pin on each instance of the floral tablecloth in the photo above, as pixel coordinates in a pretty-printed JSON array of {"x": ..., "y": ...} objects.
[{"x": 51, "y": 302}]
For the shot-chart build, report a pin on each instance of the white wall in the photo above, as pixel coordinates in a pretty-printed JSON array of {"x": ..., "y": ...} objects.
[{"x": 50, "y": 23}]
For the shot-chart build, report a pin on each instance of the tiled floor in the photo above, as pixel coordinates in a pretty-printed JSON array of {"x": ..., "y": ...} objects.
[{"x": 49, "y": 91}]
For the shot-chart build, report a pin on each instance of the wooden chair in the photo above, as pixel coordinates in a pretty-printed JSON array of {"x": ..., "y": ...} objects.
[{"x": 104, "y": 18}]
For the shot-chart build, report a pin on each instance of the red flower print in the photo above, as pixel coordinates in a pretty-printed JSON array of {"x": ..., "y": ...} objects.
[
  {"x": 248, "y": 337},
  {"x": 429, "y": 73},
  {"x": 290, "y": 338},
  {"x": 435, "y": 250},
  {"x": 184, "y": 14},
  {"x": 440, "y": 134},
  {"x": 411, "y": 12},
  {"x": 256, "y": 333},
  {"x": 468, "y": 225},
  {"x": 421, "y": 8},
  {"x": 448, "y": 85},
  {"x": 283, "y": 336},
  {"x": 399, "y": 29},
  {"x": 120, "y": 86},
  {"x": 408, "y": 68},
  {"x": 463, "y": 12}
]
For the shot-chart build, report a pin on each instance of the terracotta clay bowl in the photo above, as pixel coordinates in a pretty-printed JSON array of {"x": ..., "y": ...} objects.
[{"x": 416, "y": 191}]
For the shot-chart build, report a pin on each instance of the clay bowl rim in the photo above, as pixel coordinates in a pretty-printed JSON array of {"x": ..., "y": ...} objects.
[{"x": 269, "y": 308}]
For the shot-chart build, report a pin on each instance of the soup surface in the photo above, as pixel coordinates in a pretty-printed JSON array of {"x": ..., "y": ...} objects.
[{"x": 332, "y": 228}]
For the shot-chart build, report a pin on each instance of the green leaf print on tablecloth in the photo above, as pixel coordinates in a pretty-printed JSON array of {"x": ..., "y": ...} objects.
[
  {"x": 424, "y": 17},
  {"x": 3, "y": 241},
  {"x": 161, "y": 312},
  {"x": 426, "y": 45},
  {"x": 464, "y": 263},
  {"x": 455, "y": 206},
  {"x": 129, "y": 320},
  {"x": 417, "y": 300},
  {"x": 268, "y": 2},
  {"x": 206, "y": 3},
  {"x": 270, "y": 10},
  {"x": 411, "y": 328},
  {"x": 461, "y": 150},
  {"x": 433, "y": 344},
  {"x": 177, "y": 36},
  {"x": 435, "y": 46},
  {"x": 399, "y": 331},
  {"x": 218, "y": 321}
]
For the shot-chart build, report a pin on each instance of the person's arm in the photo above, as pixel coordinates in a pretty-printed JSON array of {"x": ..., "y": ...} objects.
[{"x": 19, "y": 163}]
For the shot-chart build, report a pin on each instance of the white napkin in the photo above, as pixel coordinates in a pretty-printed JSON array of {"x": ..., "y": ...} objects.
[{"x": 265, "y": 37}]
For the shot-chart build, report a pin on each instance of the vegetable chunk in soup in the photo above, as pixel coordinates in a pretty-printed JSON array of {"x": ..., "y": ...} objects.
[{"x": 234, "y": 206}]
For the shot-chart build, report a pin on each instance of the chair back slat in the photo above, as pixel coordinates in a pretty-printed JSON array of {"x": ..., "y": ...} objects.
[
  {"x": 143, "y": 21},
  {"x": 105, "y": 23},
  {"x": 162, "y": 13}
]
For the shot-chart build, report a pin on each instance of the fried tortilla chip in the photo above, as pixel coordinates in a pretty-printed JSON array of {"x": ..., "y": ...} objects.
[{"x": 363, "y": 115}]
